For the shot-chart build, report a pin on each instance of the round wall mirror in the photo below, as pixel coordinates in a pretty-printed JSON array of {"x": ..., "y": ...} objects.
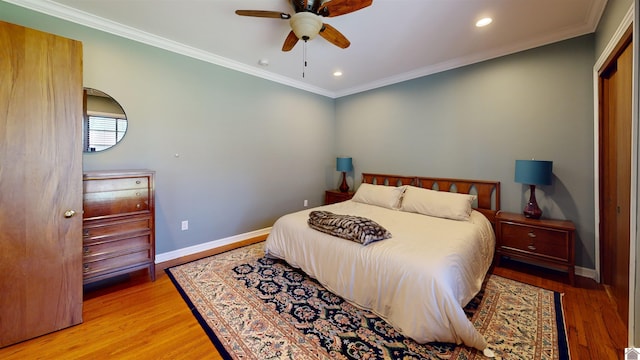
[{"x": 104, "y": 121}]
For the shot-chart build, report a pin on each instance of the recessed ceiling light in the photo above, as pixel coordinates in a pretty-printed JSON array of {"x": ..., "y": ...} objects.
[
  {"x": 337, "y": 73},
  {"x": 484, "y": 22}
]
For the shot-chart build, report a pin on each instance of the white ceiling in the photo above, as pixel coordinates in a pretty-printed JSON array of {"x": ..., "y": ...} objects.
[{"x": 391, "y": 41}]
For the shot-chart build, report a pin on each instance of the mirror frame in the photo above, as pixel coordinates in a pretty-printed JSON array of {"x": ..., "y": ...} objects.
[{"x": 102, "y": 106}]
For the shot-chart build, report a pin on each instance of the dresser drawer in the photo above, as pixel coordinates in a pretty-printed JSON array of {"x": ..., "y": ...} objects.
[
  {"x": 540, "y": 241},
  {"x": 115, "y": 247},
  {"x": 93, "y": 230},
  {"x": 115, "y": 202},
  {"x": 107, "y": 265},
  {"x": 114, "y": 184}
]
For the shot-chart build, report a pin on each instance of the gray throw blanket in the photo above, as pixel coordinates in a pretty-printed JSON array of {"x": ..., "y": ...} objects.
[{"x": 354, "y": 228}]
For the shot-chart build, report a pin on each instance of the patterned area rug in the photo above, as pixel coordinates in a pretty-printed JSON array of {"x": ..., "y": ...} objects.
[{"x": 253, "y": 307}]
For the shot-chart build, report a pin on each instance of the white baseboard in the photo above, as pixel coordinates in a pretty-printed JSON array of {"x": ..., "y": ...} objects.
[
  {"x": 175, "y": 254},
  {"x": 580, "y": 271}
]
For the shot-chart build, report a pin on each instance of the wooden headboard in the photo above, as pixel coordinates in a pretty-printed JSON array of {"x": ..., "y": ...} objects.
[{"x": 488, "y": 192}]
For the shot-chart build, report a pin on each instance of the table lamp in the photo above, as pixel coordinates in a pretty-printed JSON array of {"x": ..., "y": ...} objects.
[
  {"x": 344, "y": 164},
  {"x": 532, "y": 173}
]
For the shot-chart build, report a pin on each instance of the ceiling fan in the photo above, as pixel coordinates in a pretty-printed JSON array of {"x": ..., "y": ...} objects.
[{"x": 307, "y": 22}]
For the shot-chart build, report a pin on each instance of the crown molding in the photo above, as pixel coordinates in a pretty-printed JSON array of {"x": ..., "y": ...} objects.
[
  {"x": 589, "y": 26},
  {"x": 79, "y": 17},
  {"x": 95, "y": 22}
]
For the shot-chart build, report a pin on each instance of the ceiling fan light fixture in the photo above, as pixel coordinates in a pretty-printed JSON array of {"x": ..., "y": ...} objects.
[
  {"x": 484, "y": 22},
  {"x": 306, "y": 25}
]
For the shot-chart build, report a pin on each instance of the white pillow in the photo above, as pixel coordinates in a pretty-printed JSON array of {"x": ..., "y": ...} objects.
[
  {"x": 437, "y": 203},
  {"x": 379, "y": 195}
]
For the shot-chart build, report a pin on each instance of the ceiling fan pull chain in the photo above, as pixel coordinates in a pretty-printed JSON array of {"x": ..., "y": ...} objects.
[{"x": 304, "y": 58}]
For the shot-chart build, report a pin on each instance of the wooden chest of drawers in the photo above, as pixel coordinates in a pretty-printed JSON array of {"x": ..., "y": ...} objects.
[
  {"x": 118, "y": 223},
  {"x": 548, "y": 242}
]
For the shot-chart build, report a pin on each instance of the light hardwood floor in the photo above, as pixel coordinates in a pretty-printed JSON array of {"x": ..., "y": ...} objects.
[{"x": 138, "y": 319}]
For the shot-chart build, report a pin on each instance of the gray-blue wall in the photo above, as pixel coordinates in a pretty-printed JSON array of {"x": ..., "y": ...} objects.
[
  {"x": 474, "y": 122},
  {"x": 251, "y": 150},
  {"x": 609, "y": 22}
]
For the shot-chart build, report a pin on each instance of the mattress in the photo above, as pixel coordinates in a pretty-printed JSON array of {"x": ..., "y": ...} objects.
[{"x": 418, "y": 280}]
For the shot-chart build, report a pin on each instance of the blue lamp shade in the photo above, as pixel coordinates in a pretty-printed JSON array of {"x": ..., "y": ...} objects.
[
  {"x": 344, "y": 164},
  {"x": 533, "y": 172}
]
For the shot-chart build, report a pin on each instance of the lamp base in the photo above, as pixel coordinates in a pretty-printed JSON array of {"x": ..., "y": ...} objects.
[
  {"x": 532, "y": 211},
  {"x": 344, "y": 187}
]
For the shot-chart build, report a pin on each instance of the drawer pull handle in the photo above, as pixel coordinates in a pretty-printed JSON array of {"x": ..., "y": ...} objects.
[
  {"x": 531, "y": 247},
  {"x": 137, "y": 194},
  {"x": 86, "y": 267},
  {"x": 86, "y": 250},
  {"x": 69, "y": 213},
  {"x": 531, "y": 234},
  {"x": 138, "y": 206},
  {"x": 138, "y": 182},
  {"x": 85, "y": 233}
]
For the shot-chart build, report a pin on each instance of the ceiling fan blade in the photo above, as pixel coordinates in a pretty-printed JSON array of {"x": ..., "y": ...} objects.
[
  {"x": 264, "y": 14},
  {"x": 334, "y": 36},
  {"x": 341, "y": 7},
  {"x": 290, "y": 41}
]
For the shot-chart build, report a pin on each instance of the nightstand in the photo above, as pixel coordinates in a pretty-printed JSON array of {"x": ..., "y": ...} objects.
[
  {"x": 335, "y": 196},
  {"x": 544, "y": 241}
]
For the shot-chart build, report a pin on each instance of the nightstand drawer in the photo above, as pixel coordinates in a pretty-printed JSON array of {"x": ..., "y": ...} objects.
[
  {"x": 545, "y": 241},
  {"x": 335, "y": 196},
  {"x": 539, "y": 241}
]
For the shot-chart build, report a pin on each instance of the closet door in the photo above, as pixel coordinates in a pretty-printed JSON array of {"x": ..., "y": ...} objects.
[
  {"x": 40, "y": 183},
  {"x": 616, "y": 90}
]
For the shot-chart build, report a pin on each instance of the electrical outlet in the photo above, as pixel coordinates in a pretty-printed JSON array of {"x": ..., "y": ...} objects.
[
  {"x": 185, "y": 225},
  {"x": 306, "y": 203}
]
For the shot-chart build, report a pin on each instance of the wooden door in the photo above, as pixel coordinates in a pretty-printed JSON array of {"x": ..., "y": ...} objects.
[
  {"x": 40, "y": 179},
  {"x": 615, "y": 173}
]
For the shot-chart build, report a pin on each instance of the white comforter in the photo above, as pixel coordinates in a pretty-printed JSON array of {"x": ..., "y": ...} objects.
[{"x": 418, "y": 281}]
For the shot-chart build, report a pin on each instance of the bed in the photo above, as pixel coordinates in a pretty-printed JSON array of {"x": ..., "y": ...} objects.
[{"x": 420, "y": 278}]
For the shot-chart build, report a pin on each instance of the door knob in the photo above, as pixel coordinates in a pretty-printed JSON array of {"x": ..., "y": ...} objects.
[{"x": 69, "y": 213}]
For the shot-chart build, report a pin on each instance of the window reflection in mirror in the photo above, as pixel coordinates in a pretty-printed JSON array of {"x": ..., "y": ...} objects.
[{"x": 104, "y": 122}]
